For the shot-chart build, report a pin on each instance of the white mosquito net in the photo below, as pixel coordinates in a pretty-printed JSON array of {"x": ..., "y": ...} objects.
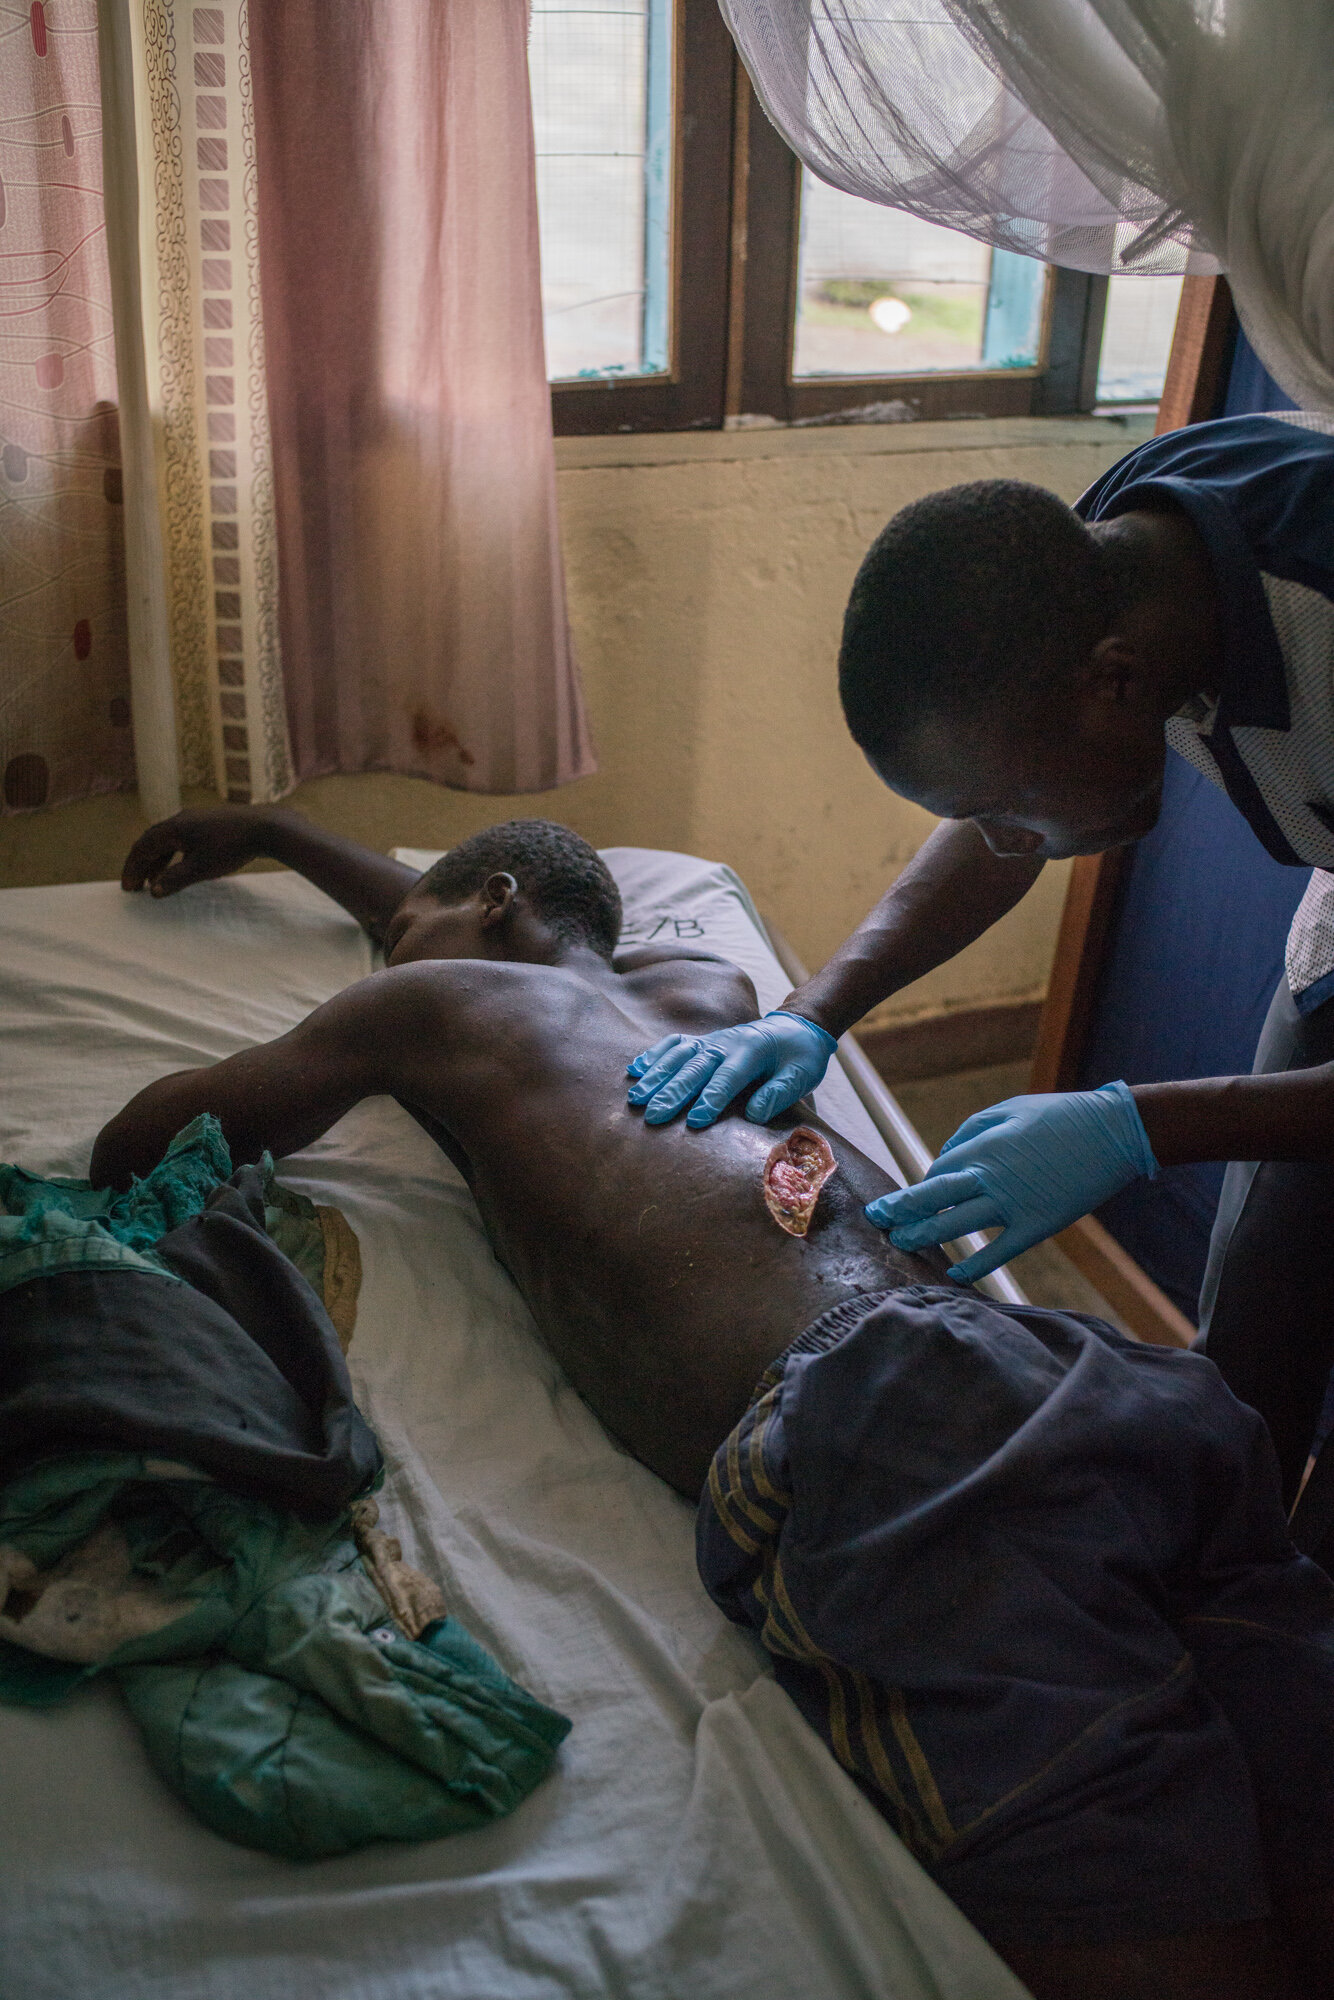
[{"x": 1105, "y": 135}]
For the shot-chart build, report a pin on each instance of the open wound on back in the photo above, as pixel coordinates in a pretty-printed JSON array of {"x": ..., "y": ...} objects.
[{"x": 794, "y": 1173}]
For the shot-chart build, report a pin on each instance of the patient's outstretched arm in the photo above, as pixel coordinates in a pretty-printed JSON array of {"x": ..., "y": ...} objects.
[
  {"x": 198, "y": 846},
  {"x": 381, "y": 1035}
]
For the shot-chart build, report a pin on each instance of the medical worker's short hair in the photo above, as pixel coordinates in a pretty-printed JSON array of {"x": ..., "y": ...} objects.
[
  {"x": 565, "y": 880},
  {"x": 967, "y": 603}
]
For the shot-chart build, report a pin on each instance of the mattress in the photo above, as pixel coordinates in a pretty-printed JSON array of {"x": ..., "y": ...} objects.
[{"x": 696, "y": 1840}]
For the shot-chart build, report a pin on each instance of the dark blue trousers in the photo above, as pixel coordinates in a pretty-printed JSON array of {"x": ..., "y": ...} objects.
[{"x": 1032, "y": 1583}]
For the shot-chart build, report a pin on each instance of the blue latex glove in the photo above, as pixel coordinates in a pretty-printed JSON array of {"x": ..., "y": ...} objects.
[
  {"x": 1028, "y": 1166},
  {"x": 791, "y": 1052}
]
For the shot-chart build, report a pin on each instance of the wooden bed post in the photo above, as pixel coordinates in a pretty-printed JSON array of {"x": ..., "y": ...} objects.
[{"x": 1200, "y": 349}]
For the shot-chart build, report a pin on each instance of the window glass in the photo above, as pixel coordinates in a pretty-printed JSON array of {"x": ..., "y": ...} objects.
[
  {"x": 601, "y": 76},
  {"x": 1137, "y": 338},
  {"x": 881, "y": 293}
]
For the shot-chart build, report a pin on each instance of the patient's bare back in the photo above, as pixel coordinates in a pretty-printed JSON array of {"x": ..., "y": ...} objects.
[{"x": 650, "y": 1258}]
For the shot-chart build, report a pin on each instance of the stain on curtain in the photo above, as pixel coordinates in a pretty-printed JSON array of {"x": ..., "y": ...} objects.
[
  {"x": 422, "y": 606},
  {"x": 64, "y": 668}
]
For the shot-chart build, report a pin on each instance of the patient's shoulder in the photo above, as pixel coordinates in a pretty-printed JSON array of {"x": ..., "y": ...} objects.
[
  {"x": 705, "y": 990},
  {"x": 445, "y": 990}
]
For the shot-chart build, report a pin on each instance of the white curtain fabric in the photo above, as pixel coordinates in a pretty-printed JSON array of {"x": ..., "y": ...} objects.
[{"x": 1104, "y": 135}]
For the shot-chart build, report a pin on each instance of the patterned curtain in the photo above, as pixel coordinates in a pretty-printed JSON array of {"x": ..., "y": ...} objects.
[
  {"x": 204, "y": 340},
  {"x": 406, "y": 557},
  {"x": 64, "y": 667}
]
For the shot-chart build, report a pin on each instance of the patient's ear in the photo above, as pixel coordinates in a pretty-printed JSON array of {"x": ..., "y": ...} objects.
[{"x": 498, "y": 894}]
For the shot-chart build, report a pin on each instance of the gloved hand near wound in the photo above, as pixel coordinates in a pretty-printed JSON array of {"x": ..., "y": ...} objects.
[
  {"x": 1028, "y": 1166},
  {"x": 786, "y": 1049}
]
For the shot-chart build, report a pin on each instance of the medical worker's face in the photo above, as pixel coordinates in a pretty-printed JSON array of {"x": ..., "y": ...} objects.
[{"x": 1049, "y": 786}]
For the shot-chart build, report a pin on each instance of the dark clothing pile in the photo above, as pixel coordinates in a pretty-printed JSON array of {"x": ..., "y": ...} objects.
[
  {"x": 1032, "y": 1582},
  {"x": 223, "y": 1357},
  {"x": 186, "y": 1504}
]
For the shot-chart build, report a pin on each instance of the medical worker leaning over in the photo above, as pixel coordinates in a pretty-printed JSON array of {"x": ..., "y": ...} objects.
[{"x": 1019, "y": 669}]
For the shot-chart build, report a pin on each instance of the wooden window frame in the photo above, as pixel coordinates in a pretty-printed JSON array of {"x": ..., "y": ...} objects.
[
  {"x": 735, "y": 244},
  {"x": 767, "y": 192}
]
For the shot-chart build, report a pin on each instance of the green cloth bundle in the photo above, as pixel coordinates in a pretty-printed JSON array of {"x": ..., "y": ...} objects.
[{"x": 274, "y": 1693}]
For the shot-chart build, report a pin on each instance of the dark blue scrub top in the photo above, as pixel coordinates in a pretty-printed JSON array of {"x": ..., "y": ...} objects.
[{"x": 1260, "y": 494}]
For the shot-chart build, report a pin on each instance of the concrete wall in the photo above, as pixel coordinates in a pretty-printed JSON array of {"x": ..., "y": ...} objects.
[{"x": 707, "y": 580}]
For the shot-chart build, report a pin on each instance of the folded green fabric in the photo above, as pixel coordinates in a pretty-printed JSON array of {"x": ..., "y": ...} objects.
[
  {"x": 274, "y": 1693},
  {"x": 266, "y": 1762}
]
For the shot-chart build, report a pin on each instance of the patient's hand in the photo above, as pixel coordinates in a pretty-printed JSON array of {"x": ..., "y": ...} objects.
[
  {"x": 222, "y": 839},
  {"x": 213, "y": 842}
]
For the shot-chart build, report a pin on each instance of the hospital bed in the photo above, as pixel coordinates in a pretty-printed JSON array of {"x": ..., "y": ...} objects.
[{"x": 696, "y": 1840}]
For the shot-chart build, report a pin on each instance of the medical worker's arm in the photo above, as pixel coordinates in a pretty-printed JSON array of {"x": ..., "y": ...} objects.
[
  {"x": 200, "y": 845},
  {"x": 951, "y": 891},
  {"x": 1286, "y": 1115},
  {"x": 1032, "y": 1165}
]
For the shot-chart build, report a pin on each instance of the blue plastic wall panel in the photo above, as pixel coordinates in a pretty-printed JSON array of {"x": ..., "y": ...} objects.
[
  {"x": 1195, "y": 952},
  {"x": 1013, "y": 327},
  {"x": 1250, "y": 388}
]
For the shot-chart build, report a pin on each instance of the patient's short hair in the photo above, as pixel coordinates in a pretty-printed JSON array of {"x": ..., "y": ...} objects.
[
  {"x": 969, "y": 601},
  {"x": 567, "y": 882}
]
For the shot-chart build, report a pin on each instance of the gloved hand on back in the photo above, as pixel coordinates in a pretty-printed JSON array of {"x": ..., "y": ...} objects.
[
  {"x": 786, "y": 1049},
  {"x": 1029, "y": 1167}
]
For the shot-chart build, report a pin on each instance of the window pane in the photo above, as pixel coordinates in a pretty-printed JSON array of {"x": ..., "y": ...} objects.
[
  {"x": 1137, "y": 338},
  {"x": 881, "y": 293},
  {"x": 601, "y": 87}
]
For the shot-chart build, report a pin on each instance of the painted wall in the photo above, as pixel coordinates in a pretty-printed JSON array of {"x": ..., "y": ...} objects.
[{"x": 707, "y": 580}]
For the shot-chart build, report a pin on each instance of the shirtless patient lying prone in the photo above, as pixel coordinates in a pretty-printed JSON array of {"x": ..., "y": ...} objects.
[{"x": 1029, "y": 1580}]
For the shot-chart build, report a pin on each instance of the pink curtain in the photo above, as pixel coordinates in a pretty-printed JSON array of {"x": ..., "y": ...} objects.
[
  {"x": 422, "y": 597},
  {"x": 64, "y": 668}
]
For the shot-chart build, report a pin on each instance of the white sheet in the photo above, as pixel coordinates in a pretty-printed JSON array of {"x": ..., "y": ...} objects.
[{"x": 696, "y": 1840}]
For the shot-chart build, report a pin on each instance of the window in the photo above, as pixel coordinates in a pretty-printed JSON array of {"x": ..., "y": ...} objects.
[
  {"x": 1137, "y": 338},
  {"x": 633, "y": 111},
  {"x": 602, "y": 118},
  {"x": 809, "y": 346},
  {"x": 880, "y": 292},
  {"x": 693, "y": 275}
]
